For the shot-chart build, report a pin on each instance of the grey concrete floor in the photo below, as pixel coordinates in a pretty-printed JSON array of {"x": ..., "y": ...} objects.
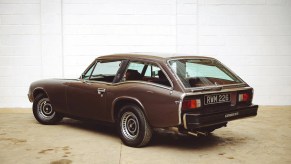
[{"x": 262, "y": 139}]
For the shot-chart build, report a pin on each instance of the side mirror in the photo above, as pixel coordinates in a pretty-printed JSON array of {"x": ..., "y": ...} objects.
[{"x": 82, "y": 76}]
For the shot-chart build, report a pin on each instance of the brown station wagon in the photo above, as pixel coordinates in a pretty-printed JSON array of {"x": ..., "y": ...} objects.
[{"x": 189, "y": 94}]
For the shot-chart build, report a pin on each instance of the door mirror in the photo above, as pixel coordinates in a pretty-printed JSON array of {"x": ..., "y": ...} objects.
[{"x": 82, "y": 76}]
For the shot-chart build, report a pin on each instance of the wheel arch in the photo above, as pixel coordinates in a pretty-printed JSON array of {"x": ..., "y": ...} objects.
[
  {"x": 119, "y": 102},
  {"x": 38, "y": 91}
]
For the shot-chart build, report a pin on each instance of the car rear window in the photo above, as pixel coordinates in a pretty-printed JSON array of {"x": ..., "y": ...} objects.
[{"x": 202, "y": 72}]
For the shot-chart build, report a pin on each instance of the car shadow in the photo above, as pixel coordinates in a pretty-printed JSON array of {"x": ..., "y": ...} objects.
[
  {"x": 185, "y": 142},
  {"x": 164, "y": 139},
  {"x": 98, "y": 128}
]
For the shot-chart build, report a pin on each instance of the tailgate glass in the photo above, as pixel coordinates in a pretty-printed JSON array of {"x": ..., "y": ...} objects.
[{"x": 203, "y": 72}]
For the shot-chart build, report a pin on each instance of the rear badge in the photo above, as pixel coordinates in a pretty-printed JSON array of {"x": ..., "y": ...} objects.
[
  {"x": 216, "y": 98},
  {"x": 231, "y": 115}
]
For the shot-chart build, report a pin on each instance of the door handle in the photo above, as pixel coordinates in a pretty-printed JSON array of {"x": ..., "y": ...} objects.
[{"x": 101, "y": 90}]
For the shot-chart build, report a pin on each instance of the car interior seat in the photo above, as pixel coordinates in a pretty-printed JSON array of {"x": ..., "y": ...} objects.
[{"x": 132, "y": 75}]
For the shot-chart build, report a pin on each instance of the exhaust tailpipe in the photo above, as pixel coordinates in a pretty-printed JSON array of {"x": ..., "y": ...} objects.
[{"x": 198, "y": 133}]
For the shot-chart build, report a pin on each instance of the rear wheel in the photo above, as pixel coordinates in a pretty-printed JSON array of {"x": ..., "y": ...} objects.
[
  {"x": 43, "y": 111},
  {"x": 134, "y": 129}
]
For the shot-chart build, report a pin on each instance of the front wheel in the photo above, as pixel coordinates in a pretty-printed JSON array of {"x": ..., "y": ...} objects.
[
  {"x": 134, "y": 129},
  {"x": 43, "y": 111}
]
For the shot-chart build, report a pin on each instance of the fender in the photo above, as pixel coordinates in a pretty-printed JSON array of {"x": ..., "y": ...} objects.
[
  {"x": 38, "y": 89},
  {"x": 125, "y": 98}
]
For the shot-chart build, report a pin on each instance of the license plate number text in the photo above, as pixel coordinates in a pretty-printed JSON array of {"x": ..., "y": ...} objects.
[{"x": 217, "y": 98}]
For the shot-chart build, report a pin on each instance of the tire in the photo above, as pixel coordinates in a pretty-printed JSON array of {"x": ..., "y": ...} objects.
[
  {"x": 43, "y": 111},
  {"x": 133, "y": 127}
]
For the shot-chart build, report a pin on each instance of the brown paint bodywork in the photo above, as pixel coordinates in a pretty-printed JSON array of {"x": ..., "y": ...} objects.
[{"x": 160, "y": 104}]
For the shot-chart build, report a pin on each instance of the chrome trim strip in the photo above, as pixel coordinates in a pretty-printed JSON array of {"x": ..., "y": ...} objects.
[
  {"x": 184, "y": 121},
  {"x": 221, "y": 91},
  {"x": 143, "y": 82},
  {"x": 196, "y": 89},
  {"x": 93, "y": 81},
  {"x": 180, "y": 107}
]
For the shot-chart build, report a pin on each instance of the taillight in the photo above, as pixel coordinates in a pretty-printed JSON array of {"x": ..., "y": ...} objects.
[
  {"x": 244, "y": 97},
  {"x": 191, "y": 104}
]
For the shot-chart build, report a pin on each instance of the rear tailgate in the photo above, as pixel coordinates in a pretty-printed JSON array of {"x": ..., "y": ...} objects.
[
  {"x": 219, "y": 106},
  {"x": 219, "y": 101}
]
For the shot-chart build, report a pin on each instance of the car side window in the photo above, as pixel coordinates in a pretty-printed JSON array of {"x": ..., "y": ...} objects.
[
  {"x": 152, "y": 71},
  {"x": 138, "y": 71},
  {"x": 105, "y": 71}
]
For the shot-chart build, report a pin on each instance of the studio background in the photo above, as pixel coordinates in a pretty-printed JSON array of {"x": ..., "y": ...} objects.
[{"x": 60, "y": 38}]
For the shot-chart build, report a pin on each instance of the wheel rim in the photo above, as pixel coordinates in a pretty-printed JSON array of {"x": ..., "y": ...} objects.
[
  {"x": 129, "y": 125},
  {"x": 45, "y": 109}
]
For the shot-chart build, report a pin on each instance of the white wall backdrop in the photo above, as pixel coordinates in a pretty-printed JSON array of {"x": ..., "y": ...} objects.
[{"x": 59, "y": 38}]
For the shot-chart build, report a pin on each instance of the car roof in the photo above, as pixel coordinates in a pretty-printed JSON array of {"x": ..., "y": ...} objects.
[{"x": 159, "y": 57}]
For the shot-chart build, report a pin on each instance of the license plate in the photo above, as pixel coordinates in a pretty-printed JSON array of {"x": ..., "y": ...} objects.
[{"x": 216, "y": 98}]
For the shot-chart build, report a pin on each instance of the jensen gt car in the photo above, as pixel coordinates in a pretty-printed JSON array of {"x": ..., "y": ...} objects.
[{"x": 139, "y": 93}]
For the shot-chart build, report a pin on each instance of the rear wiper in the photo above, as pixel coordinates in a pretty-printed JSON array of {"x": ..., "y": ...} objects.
[{"x": 211, "y": 88}]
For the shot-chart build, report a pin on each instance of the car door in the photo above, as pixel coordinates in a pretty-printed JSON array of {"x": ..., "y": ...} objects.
[{"x": 87, "y": 97}]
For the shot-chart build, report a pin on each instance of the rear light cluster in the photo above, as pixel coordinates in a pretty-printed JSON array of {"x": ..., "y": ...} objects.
[
  {"x": 244, "y": 97},
  {"x": 191, "y": 104}
]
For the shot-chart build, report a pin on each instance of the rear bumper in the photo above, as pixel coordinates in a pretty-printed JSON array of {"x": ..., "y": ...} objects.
[{"x": 193, "y": 121}]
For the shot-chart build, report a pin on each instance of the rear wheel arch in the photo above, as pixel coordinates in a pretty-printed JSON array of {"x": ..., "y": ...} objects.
[{"x": 120, "y": 102}]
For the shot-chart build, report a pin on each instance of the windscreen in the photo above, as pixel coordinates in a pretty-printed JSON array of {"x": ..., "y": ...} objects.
[{"x": 202, "y": 72}]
